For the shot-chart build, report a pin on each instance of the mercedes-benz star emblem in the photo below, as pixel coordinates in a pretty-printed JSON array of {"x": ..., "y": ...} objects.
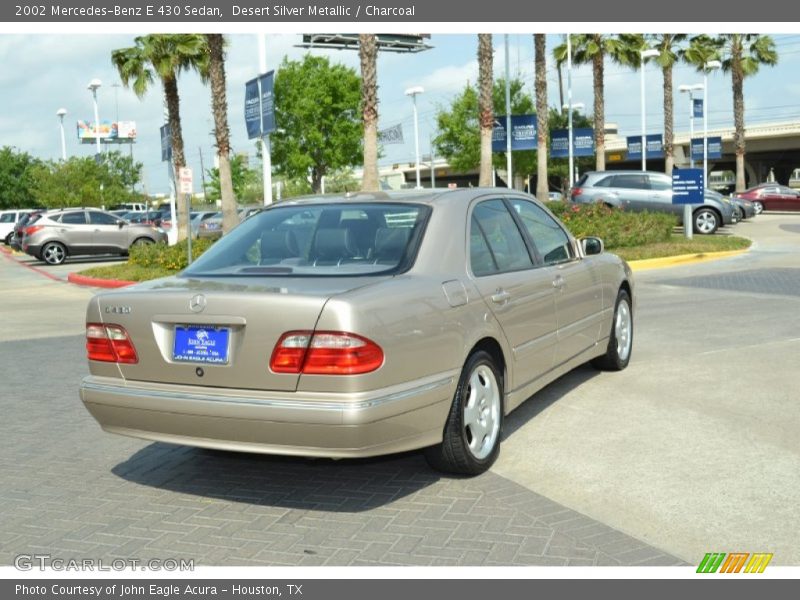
[{"x": 197, "y": 303}]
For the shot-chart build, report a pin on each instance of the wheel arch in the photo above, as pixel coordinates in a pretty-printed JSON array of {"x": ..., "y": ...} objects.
[{"x": 492, "y": 347}]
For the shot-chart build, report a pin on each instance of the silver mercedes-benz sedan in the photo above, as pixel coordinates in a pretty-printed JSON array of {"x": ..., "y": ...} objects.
[{"x": 360, "y": 325}]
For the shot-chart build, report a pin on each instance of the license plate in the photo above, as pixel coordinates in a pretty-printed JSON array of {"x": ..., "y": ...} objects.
[{"x": 201, "y": 344}]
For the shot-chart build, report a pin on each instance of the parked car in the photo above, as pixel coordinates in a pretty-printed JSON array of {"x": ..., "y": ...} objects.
[
  {"x": 24, "y": 220},
  {"x": 58, "y": 234},
  {"x": 645, "y": 190},
  {"x": 9, "y": 218},
  {"x": 745, "y": 208},
  {"x": 771, "y": 196},
  {"x": 129, "y": 206},
  {"x": 210, "y": 227},
  {"x": 360, "y": 325},
  {"x": 198, "y": 217},
  {"x": 150, "y": 217},
  {"x": 794, "y": 179}
]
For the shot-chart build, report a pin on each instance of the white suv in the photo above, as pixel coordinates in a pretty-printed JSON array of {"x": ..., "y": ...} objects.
[{"x": 9, "y": 218}]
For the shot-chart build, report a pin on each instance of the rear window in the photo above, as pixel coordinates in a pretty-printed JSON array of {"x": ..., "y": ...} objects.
[{"x": 316, "y": 240}]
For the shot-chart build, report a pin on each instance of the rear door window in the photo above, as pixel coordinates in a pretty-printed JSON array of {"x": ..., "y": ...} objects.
[
  {"x": 632, "y": 181},
  {"x": 496, "y": 243},
  {"x": 77, "y": 217}
]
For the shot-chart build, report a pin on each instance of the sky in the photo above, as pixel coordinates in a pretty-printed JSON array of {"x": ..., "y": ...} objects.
[{"x": 43, "y": 73}]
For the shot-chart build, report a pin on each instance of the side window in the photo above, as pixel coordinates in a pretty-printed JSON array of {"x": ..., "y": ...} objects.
[
  {"x": 8, "y": 218},
  {"x": 496, "y": 244},
  {"x": 549, "y": 238},
  {"x": 660, "y": 183},
  {"x": 605, "y": 182},
  {"x": 631, "y": 182},
  {"x": 101, "y": 218},
  {"x": 77, "y": 217}
]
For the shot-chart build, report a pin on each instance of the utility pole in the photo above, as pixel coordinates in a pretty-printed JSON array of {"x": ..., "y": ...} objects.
[{"x": 203, "y": 174}]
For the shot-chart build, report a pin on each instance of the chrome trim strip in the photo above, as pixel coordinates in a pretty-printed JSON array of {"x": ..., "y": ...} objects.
[{"x": 273, "y": 402}]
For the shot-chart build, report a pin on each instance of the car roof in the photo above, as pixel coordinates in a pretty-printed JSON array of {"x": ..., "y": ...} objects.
[{"x": 424, "y": 196}]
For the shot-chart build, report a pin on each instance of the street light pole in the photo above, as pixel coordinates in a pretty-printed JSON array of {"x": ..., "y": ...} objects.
[
  {"x": 266, "y": 146},
  {"x": 690, "y": 89},
  {"x": 62, "y": 112},
  {"x": 413, "y": 93},
  {"x": 93, "y": 85},
  {"x": 509, "y": 163},
  {"x": 709, "y": 66},
  {"x": 569, "y": 109},
  {"x": 644, "y": 54}
]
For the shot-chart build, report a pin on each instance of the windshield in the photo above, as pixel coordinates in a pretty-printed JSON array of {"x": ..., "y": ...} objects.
[{"x": 316, "y": 240}]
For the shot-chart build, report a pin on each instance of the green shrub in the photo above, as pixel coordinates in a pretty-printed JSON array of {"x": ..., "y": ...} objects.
[
  {"x": 616, "y": 227},
  {"x": 169, "y": 258}
]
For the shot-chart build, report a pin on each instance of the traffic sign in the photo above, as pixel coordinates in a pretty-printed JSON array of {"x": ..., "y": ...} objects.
[
  {"x": 688, "y": 186},
  {"x": 185, "y": 179}
]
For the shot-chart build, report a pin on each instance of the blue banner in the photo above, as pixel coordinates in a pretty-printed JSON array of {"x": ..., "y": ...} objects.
[
  {"x": 582, "y": 142},
  {"x": 688, "y": 186},
  {"x": 259, "y": 105},
  {"x": 655, "y": 146},
  {"x": 166, "y": 143},
  {"x": 697, "y": 107},
  {"x": 714, "y": 148},
  {"x": 523, "y": 133}
]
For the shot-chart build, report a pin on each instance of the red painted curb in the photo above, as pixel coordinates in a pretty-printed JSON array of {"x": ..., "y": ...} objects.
[{"x": 95, "y": 282}]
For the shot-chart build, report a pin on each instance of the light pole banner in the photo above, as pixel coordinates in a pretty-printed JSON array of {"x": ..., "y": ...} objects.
[
  {"x": 391, "y": 135},
  {"x": 582, "y": 142},
  {"x": 259, "y": 105},
  {"x": 655, "y": 146},
  {"x": 697, "y": 108},
  {"x": 166, "y": 143},
  {"x": 523, "y": 133},
  {"x": 714, "y": 148}
]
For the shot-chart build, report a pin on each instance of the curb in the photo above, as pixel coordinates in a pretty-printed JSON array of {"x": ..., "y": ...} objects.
[
  {"x": 682, "y": 259},
  {"x": 95, "y": 282}
]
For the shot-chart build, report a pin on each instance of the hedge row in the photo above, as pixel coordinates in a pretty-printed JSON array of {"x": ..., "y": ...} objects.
[
  {"x": 171, "y": 258},
  {"x": 616, "y": 227}
]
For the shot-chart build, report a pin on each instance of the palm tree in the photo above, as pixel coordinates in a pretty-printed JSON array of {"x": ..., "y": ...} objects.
[
  {"x": 542, "y": 121},
  {"x": 742, "y": 55},
  {"x": 368, "y": 54},
  {"x": 667, "y": 45},
  {"x": 485, "y": 108},
  {"x": 163, "y": 56},
  {"x": 219, "y": 105},
  {"x": 592, "y": 49}
]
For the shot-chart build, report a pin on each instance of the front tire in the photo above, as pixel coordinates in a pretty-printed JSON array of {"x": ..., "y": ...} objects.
[
  {"x": 54, "y": 253},
  {"x": 620, "y": 342},
  {"x": 705, "y": 221},
  {"x": 471, "y": 439}
]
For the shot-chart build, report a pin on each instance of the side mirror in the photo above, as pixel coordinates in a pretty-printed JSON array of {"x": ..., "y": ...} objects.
[
  {"x": 592, "y": 246},
  {"x": 120, "y": 223}
]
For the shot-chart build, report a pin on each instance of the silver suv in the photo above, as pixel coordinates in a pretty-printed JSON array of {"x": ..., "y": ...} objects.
[
  {"x": 56, "y": 234},
  {"x": 646, "y": 190}
]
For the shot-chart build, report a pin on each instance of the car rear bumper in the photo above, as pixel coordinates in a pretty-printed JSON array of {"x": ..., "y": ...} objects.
[{"x": 338, "y": 425}]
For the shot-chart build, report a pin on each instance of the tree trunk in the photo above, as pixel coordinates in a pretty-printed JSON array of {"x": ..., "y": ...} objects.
[
  {"x": 599, "y": 112},
  {"x": 368, "y": 54},
  {"x": 542, "y": 125},
  {"x": 737, "y": 79},
  {"x": 178, "y": 156},
  {"x": 669, "y": 151},
  {"x": 560, "y": 88},
  {"x": 219, "y": 105},
  {"x": 485, "y": 107}
]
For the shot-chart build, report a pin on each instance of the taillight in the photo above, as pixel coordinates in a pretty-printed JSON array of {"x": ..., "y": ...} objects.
[
  {"x": 576, "y": 191},
  {"x": 325, "y": 353},
  {"x": 109, "y": 343},
  {"x": 33, "y": 229}
]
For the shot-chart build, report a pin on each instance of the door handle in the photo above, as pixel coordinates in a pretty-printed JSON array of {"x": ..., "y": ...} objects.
[
  {"x": 501, "y": 296},
  {"x": 559, "y": 282}
]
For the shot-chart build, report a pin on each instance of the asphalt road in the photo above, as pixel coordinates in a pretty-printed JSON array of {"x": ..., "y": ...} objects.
[{"x": 693, "y": 449}]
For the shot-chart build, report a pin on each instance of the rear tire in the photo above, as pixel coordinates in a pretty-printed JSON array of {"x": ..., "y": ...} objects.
[
  {"x": 758, "y": 207},
  {"x": 142, "y": 241},
  {"x": 471, "y": 439},
  {"x": 54, "y": 253},
  {"x": 620, "y": 342},
  {"x": 9, "y": 237}
]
